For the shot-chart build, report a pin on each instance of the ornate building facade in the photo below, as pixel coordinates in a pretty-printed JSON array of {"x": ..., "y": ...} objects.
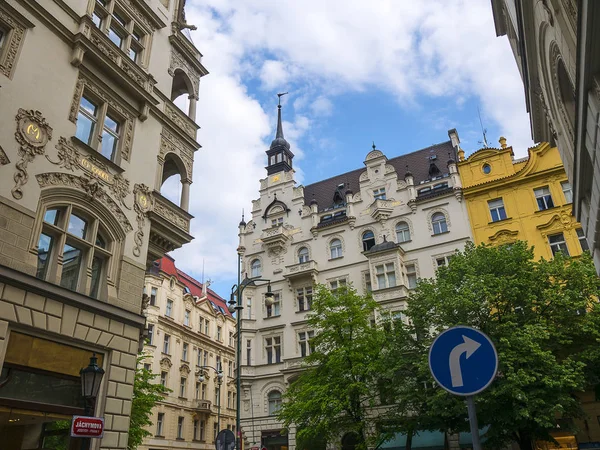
[
  {"x": 528, "y": 199},
  {"x": 558, "y": 54},
  {"x": 190, "y": 336},
  {"x": 89, "y": 131},
  {"x": 379, "y": 227}
]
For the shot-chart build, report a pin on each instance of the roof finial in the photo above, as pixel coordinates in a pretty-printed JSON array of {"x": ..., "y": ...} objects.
[
  {"x": 374, "y": 145},
  {"x": 279, "y": 126}
]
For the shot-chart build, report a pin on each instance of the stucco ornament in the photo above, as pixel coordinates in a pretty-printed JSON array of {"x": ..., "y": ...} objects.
[
  {"x": 3, "y": 158},
  {"x": 141, "y": 206},
  {"x": 33, "y": 133}
]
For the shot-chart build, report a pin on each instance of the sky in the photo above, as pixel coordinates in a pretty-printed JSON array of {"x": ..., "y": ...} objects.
[{"x": 398, "y": 73}]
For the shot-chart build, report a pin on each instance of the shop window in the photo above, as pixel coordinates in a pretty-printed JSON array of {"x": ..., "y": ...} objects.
[{"x": 83, "y": 245}]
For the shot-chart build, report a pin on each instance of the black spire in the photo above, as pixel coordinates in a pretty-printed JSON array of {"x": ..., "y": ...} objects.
[{"x": 279, "y": 154}]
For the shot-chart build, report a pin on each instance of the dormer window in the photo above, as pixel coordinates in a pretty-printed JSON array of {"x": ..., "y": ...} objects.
[{"x": 379, "y": 194}]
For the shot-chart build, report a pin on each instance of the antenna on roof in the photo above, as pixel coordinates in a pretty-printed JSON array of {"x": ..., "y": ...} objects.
[
  {"x": 483, "y": 130},
  {"x": 202, "y": 271}
]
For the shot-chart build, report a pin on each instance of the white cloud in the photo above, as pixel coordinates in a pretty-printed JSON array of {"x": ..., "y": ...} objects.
[{"x": 324, "y": 49}]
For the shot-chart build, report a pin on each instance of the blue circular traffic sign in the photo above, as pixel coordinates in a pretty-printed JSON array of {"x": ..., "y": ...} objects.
[{"x": 463, "y": 360}]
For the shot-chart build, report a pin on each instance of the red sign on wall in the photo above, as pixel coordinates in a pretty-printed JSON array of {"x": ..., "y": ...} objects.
[{"x": 90, "y": 427}]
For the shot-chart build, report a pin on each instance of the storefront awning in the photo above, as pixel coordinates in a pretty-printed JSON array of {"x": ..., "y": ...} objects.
[{"x": 423, "y": 440}]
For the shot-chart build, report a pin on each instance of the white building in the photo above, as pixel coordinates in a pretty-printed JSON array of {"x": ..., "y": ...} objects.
[
  {"x": 189, "y": 328},
  {"x": 379, "y": 227}
]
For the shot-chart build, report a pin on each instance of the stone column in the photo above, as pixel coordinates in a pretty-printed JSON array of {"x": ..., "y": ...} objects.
[
  {"x": 185, "y": 194},
  {"x": 192, "y": 111}
]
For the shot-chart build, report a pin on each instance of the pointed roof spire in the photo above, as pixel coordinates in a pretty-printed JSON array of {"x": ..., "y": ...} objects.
[{"x": 279, "y": 139}]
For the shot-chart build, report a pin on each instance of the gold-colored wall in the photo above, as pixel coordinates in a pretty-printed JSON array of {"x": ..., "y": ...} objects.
[{"x": 514, "y": 181}]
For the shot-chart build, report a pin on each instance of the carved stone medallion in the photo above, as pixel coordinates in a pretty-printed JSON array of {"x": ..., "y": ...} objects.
[
  {"x": 33, "y": 133},
  {"x": 141, "y": 205}
]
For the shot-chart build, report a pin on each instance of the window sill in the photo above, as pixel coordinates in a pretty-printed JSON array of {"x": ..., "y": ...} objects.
[
  {"x": 336, "y": 258},
  {"x": 405, "y": 242},
  {"x": 272, "y": 317},
  {"x": 506, "y": 219},
  {"x": 160, "y": 436},
  {"x": 169, "y": 317},
  {"x": 440, "y": 234},
  {"x": 182, "y": 398},
  {"x": 166, "y": 354},
  {"x": 547, "y": 209},
  {"x": 303, "y": 311},
  {"x": 179, "y": 439},
  {"x": 97, "y": 155}
]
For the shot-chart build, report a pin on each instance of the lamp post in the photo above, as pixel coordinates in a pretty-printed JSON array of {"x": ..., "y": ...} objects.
[
  {"x": 219, "y": 372},
  {"x": 91, "y": 378},
  {"x": 235, "y": 305}
]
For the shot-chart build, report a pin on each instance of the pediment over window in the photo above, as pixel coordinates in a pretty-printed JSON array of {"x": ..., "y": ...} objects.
[
  {"x": 559, "y": 222},
  {"x": 275, "y": 207},
  {"x": 165, "y": 363},
  {"x": 504, "y": 236}
]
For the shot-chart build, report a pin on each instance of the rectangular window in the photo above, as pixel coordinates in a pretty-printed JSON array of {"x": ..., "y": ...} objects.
[
  {"x": 567, "y": 191},
  {"x": 184, "y": 351},
  {"x": 230, "y": 369},
  {"x": 163, "y": 378},
  {"x": 336, "y": 284},
  {"x": 196, "y": 429},
  {"x": 94, "y": 116},
  {"x": 231, "y": 340},
  {"x": 273, "y": 348},
  {"x": 44, "y": 251},
  {"x": 151, "y": 334},
  {"x": 543, "y": 198},
  {"x": 202, "y": 429},
  {"x": 206, "y": 327},
  {"x": 249, "y": 308},
  {"x": 215, "y": 431},
  {"x": 182, "y": 384},
  {"x": 304, "y": 342},
  {"x": 203, "y": 391},
  {"x": 248, "y": 352},
  {"x": 180, "y": 427},
  {"x": 205, "y": 363},
  {"x": 558, "y": 244},
  {"x": 159, "y": 424},
  {"x": 148, "y": 367},
  {"x": 229, "y": 399},
  {"x": 199, "y": 358},
  {"x": 304, "y": 297},
  {"x": 72, "y": 259},
  {"x": 219, "y": 338},
  {"x": 186, "y": 318},
  {"x": 197, "y": 392},
  {"x": 276, "y": 222},
  {"x": 153, "y": 293},
  {"x": 386, "y": 275},
  {"x": 497, "y": 210},
  {"x": 169, "y": 311},
  {"x": 166, "y": 344},
  {"x": 274, "y": 310},
  {"x": 368, "y": 284},
  {"x": 379, "y": 194},
  {"x": 443, "y": 260},
  {"x": 582, "y": 240},
  {"x": 411, "y": 276}
]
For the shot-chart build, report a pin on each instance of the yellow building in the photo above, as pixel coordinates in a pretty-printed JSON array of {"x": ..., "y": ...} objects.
[{"x": 528, "y": 199}]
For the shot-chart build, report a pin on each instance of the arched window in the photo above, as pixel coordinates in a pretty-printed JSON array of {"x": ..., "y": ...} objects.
[
  {"x": 274, "y": 398},
  {"x": 335, "y": 247},
  {"x": 567, "y": 93},
  {"x": 438, "y": 222},
  {"x": 368, "y": 240},
  {"x": 303, "y": 255},
  {"x": 83, "y": 245},
  {"x": 255, "y": 268},
  {"x": 173, "y": 177},
  {"x": 402, "y": 232}
]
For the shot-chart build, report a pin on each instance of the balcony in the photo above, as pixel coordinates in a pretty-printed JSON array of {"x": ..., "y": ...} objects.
[
  {"x": 274, "y": 239},
  {"x": 169, "y": 227},
  {"x": 203, "y": 406},
  {"x": 381, "y": 209},
  {"x": 301, "y": 270},
  {"x": 390, "y": 295}
]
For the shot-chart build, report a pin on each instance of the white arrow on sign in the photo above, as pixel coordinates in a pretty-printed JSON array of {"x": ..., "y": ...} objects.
[{"x": 469, "y": 346}]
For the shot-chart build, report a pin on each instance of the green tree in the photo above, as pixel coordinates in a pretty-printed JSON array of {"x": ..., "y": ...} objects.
[
  {"x": 145, "y": 396},
  {"x": 544, "y": 319},
  {"x": 335, "y": 392}
]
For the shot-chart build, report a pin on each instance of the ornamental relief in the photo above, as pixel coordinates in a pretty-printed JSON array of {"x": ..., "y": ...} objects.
[
  {"x": 88, "y": 184},
  {"x": 33, "y": 133},
  {"x": 169, "y": 143},
  {"x": 142, "y": 205},
  {"x": 3, "y": 158},
  {"x": 177, "y": 116},
  {"x": 70, "y": 158},
  {"x": 85, "y": 84},
  {"x": 16, "y": 35}
]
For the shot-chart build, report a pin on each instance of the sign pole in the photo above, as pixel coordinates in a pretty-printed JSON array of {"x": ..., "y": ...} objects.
[{"x": 473, "y": 422}]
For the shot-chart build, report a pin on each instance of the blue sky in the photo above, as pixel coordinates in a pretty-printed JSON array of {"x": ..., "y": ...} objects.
[{"x": 397, "y": 72}]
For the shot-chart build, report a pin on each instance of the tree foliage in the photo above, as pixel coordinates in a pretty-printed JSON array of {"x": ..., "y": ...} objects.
[
  {"x": 145, "y": 396},
  {"x": 544, "y": 319},
  {"x": 335, "y": 392}
]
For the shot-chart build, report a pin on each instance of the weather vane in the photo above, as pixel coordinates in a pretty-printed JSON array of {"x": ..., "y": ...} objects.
[{"x": 281, "y": 95}]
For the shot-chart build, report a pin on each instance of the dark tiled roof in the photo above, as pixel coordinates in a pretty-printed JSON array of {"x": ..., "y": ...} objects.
[{"x": 417, "y": 162}]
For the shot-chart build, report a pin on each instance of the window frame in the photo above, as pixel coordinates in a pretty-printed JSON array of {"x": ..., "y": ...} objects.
[
  {"x": 255, "y": 268},
  {"x": 305, "y": 346},
  {"x": 543, "y": 199},
  {"x": 166, "y": 344},
  {"x": 273, "y": 349},
  {"x": 496, "y": 206},
  {"x": 97, "y": 243},
  {"x": 568, "y": 198},
  {"x": 582, "y": 237},
  {"x": 409, "y": 275},
  {"x": 338, "y": 249},
  {"x": 303, "y": 255},
  {"x": 439, "y": 223},
  {"x": 273, "y": 404},
  {"x": 160, "y": 422},
  {"x": 384, "y": 275},
  {"x": 558, "y": 244},
  {"x": 379, "y": 194},
  {"x": 274, "y": 310},
  {"x": 304, "y": 298},
  {"x": 368, "y": 240},
  {"x": 403, "y": 231},
  {"x": 15, "y": 26}
]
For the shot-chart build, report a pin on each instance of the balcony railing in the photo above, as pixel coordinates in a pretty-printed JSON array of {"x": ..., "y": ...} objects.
[
  {"x": 301, "y": 270},
  {"x": 203, "y": 406}
]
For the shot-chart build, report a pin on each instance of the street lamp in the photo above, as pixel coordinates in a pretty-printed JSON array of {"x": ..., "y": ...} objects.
[
  {"x": 219, "y": 372},
  {"x": 91, "y": 378},
  {"x": 235, "y": 305}
]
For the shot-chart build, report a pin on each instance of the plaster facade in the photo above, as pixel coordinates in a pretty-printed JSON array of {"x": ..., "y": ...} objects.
[
  {"x": 379, "y": 228},
  {"x": 89, "y": 131},
  {"x": 528, "y": 199},
  {"x": 189, "y": 329},
  {"x": 556, "y": 46}
]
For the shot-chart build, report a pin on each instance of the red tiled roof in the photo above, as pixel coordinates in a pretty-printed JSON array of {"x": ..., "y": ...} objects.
[{"x": 167, "y": 265}]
